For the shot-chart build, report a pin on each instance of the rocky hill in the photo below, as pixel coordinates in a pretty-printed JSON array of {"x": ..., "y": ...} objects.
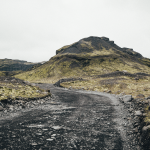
[
  {"x": 91, "y": 44},
  {"x": 86, "y": 58}
]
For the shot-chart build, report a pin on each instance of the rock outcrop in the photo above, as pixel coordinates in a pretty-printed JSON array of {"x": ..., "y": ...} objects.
[
  {"x": 136, "y": 108},
  {"x": 95, "y": 43}
]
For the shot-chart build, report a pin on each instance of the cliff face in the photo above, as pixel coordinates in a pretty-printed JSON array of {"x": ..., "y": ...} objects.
[{"x": 91, "y": 43}]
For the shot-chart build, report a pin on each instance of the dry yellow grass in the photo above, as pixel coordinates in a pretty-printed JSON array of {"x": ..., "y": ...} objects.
[
  {"x": 119, "y": 85},
  {"x": 16, "y": 90}
]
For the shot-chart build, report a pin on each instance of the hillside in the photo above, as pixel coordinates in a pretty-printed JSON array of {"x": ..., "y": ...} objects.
[{"x": 86, "y": 58}]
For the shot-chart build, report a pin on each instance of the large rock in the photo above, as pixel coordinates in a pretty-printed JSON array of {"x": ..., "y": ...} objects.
[
  {"x": 127, "y": 98},
  {"x": 138, "y": 113}
]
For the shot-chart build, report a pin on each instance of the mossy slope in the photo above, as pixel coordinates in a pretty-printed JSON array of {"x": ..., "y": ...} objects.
[
  {"x": 12, "y": 88},
  {"x": 88, "y": 57}
]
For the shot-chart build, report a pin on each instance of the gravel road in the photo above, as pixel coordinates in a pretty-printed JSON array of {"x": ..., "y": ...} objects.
[{"x": 70, "y": 120}]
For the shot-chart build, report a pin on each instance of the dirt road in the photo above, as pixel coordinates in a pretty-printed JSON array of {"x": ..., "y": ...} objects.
[{"x": 70, "y": 120}]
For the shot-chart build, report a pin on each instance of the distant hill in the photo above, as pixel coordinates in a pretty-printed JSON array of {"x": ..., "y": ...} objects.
[
  {"x": 15, "y": 65},
  {"x": 86, "y": 58}
]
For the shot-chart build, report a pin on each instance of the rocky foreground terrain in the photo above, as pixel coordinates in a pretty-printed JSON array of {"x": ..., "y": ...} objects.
[
  {"x": 12, "y": 89},
  {"x": 74, "y": 119}
]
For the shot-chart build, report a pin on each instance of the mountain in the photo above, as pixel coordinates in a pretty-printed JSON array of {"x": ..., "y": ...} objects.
[
  {"x": 86, "y": 58},
  {"x": 93, "y": 44}
]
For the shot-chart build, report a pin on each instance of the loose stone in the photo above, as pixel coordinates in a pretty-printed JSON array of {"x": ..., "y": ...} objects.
[
  {"x": 138, "y": 113},
  {"x": 49, "y": 139},
  {"x": 127, "y": 98},
  {"x": 56, "y": 127}
]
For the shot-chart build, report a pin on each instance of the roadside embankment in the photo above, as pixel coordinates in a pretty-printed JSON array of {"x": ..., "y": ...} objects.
[
  {"x": 16, "y": 92},
  {"x": 139, "y": 110}
]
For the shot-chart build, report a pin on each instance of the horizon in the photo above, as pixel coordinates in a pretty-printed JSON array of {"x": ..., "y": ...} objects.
[{"x": 65, "y": 45}]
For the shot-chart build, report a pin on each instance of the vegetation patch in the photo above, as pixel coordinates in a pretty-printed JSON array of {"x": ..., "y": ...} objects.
[
  {"x": 125, "y": 84},
  {"x": 12, "y": 88},
  {"x": 62, "y": 66}
]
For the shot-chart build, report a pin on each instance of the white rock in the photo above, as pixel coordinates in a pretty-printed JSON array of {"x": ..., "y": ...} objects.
[
  {"x": 45, "y": 129},
  {"x": 138, "y": 113},
  {"x": 33, "y": 144},
  {"x": 39, "y": 133},
  {"x": 40, "y": 125},
  {"x": 127, "y": 98},
  {"x": 49, "y": 139},
  {"x": 56, "y": 127},
  {"x": 53, "y": 135}
]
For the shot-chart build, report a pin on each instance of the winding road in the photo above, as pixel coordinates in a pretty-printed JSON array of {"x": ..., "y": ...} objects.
[{"x": 70, "y": 120}]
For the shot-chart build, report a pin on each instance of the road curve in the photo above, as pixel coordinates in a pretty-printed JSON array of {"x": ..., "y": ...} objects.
[{"x": 77, "y": 120}]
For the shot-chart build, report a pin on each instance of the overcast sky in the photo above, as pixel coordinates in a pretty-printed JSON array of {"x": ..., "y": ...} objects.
[{"x": 33, "y": 30}]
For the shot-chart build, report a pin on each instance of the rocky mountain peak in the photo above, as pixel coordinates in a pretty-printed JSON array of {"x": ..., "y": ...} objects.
[{"x": 89, "y": 44}]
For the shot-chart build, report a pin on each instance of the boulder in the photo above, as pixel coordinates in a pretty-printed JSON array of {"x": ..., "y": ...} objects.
[
  {"x": 138, "y": 113},
  {"x": 127, "y": 98},
  {"x": 57, "y": 127}
]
